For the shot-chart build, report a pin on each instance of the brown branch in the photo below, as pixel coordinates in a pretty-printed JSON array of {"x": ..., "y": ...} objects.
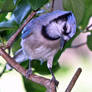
[
  {"x": 11, "y": 40},
  {"x": 79, "y": 45},
  {"x": 74, "y": 79},
  {"x": 50, "y": 85}
]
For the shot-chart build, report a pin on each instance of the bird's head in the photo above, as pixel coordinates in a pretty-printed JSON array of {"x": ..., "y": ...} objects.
[{"x": 63, "y": 26}]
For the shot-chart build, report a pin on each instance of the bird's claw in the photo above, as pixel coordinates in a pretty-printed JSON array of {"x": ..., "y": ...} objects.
[
  {"x": 28, "y": 72},
  {"x": 55, "y": 81}
]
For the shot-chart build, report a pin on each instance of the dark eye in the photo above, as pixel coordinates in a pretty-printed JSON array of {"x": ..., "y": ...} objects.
[{"x": 65, "y": 28}]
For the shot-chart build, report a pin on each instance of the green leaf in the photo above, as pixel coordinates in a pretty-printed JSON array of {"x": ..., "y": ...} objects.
[
  {"x": 8, "y": 25},
  {"x": 16, "y": 45},
  {"x": 76, "y": 6},
  {"x": 16, "y": 2},
  {"x": 34, "y": 87},
  {"x": 2, "y": 16},
  {"x": 87, "y": 14},
  {"x": 6, "y": 6},
  {"x": 89, "y": 41},
  {"x": 36, "y": 4},
  {"x": 22, "y": 10}
]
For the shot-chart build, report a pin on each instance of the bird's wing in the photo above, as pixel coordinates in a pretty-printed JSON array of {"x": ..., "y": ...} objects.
[
  {"x": 33, "y": 25},
  {"x": 26, "y": 31}
]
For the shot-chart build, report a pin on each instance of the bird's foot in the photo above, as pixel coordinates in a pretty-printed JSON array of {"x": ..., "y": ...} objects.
[
  {"x": 55, "y": 81},
  {"x": 28, "y": 72}
]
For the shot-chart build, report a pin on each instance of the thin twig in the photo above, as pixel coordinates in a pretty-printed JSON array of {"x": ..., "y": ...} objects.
[
  {"x": 87, "y": 29},
  {"x": 3, "y": 71},
  {"x": 79, "y": 45},
  {"x": 82, "y": 44},
  {"x": 11, "y": 40},
  {"x": 74, "y": 79},
  {"x": 50, "y": 85},
  {"x": 52, "y": 6}
]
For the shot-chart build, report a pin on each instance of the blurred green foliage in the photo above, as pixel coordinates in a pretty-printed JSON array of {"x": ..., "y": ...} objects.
[
  {"x": 31, "y": 86},
  {"x": 76, "y": 6},
  {"x": 89, "y": 41},
  {"x": 19, "y": 10},
  {"x": 36, "y": 4}
]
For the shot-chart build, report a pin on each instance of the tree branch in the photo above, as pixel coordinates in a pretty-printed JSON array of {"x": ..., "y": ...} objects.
[
  {"x": 87, "y": 28},
  {"x": 74, "y": 79},
  {"x": 50, "y": 85},
  {"x": 82, "y": 44},
  {"x": 52, "y": 6}
]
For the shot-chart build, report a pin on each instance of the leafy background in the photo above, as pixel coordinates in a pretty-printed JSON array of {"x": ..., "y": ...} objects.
[{"x": 12, "y": 14}]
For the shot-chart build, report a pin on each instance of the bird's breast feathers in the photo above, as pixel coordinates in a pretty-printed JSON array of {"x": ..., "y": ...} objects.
[{"x": 39, "y": 48}]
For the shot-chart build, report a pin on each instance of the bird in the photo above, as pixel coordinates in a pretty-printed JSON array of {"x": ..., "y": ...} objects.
[{"x": 44, "y": 36}]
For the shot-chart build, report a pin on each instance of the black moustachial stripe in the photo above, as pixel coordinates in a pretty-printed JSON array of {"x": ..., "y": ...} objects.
[
  {"x": 62, "y": 17},
  {"x": 46, "y": 35}
]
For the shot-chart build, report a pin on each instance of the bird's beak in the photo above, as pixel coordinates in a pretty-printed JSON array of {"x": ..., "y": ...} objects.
[{"x": 62, "y": 42}]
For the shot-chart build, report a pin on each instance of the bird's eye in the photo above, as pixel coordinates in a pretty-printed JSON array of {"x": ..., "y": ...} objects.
[{"x": 66, "y": 29}]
